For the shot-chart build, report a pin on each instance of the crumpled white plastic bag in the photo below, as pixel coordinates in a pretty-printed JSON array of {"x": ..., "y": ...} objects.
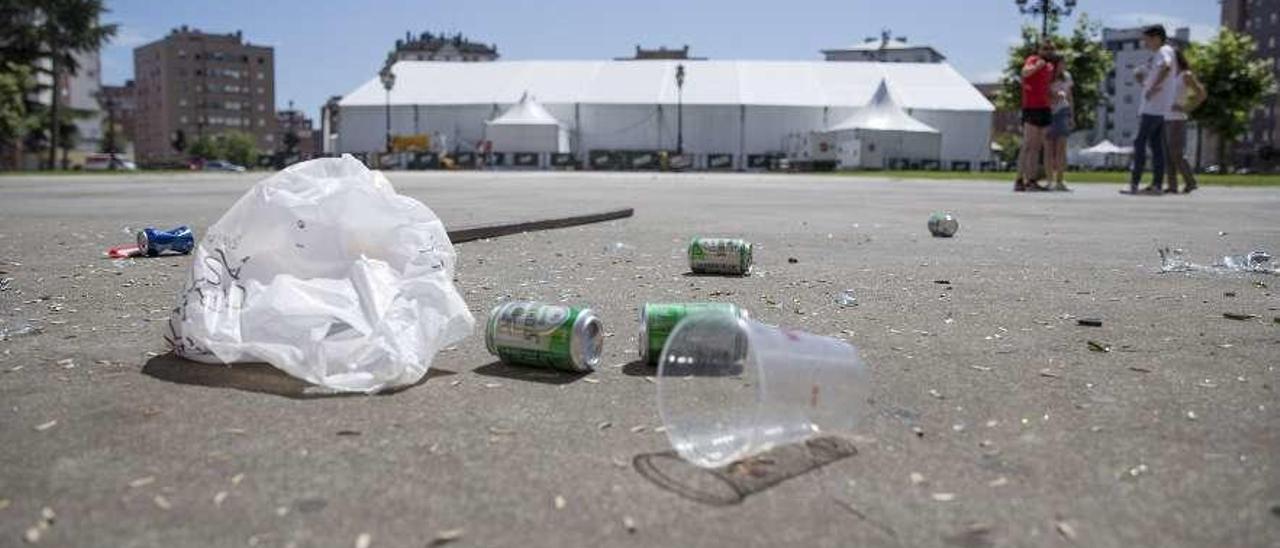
[{"x": 326, "y": 273}]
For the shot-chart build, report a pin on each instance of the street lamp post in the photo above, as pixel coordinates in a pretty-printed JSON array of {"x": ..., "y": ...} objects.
[
  {"x": 680, "y": 109},
  {"x": 1045, "y": 9},
  {"x": 388, "y": 82}
]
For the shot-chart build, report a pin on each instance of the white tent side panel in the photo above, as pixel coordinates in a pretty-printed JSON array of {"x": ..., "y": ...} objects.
[
  {"x": 966, "y": 135},
  {"x": 528, "y": 138}
]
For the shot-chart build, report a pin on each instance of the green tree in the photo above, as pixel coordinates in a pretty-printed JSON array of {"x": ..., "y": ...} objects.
[
  {"x": 240, "y": 148},
  {"x": 236, "y": 147},
  {"x": 1087, "y": 61},
  {"x": 57, "y": 29},
  {"x": 15, "y": 118},
  {"x": 1236, "y": 82},
  {"x": 205, "y": 148}
]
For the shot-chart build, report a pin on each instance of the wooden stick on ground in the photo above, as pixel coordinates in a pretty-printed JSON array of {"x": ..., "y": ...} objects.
[{"x": 480, "y": 232}]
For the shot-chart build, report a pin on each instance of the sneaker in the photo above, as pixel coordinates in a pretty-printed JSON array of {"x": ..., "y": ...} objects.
[
  {"x": 1019, "y": 186},
  {"x": 1033, "y": 187},
  {"x": 1171, "y": 190},
  {"x": 1060, "y": 187},
  {"x": 1189, "y": 189}
]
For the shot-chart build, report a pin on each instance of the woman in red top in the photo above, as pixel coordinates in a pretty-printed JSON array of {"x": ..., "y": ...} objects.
[{"x": 1037, "y": 115}]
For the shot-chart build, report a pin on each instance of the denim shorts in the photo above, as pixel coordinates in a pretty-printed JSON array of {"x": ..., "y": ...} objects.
[{"x": 1061, "y": 127}]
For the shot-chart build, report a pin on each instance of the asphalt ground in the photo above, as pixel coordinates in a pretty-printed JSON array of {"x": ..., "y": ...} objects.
[{"x": 993, "y": 422}]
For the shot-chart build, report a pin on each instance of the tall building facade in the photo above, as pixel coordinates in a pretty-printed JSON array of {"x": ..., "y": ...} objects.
[
  {"x": 192, "y": 84},
  {"x": 294, "y": 122},
  {"x": 119, "y": 103},
  {"x": 1122, "y": 95},
  {"x": 438, "y": 47},
  {"x": 1261, "y": 20}
]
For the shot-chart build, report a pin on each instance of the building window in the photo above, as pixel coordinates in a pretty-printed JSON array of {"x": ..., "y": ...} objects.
[
  {"x": 261, "y": 76},
  {"x": 182, "y": 102},
  {"x": 261, "y": 107},
  {"x": 271, "y": 138},
  {"x": 1128, "y": 99},
  {"x": 182, "y": 119},
  {"x": 261, "y": 60},
  {"x": 261, "y": 122}
]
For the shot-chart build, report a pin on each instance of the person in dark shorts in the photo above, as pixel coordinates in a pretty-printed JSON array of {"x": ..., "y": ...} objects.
[
  {"x": 1061, "y": 92},
  {"x": 1037, "y": 115}
]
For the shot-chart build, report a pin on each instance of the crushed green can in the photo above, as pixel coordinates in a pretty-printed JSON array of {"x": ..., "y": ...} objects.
[
  {"x": 658, "y": 320},
  {"x": 545, "y": 335}
]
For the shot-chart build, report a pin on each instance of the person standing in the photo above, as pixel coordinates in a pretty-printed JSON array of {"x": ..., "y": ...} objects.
[
  {"x": 1037, "y": 73},
  {"x": 1189, "y": 94},
  {"x": 1156, "y": 80},
  {"x": 1061, "y": 91}
]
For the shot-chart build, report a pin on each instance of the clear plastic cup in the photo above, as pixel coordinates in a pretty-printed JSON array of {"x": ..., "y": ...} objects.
[{"x": 730, "y": 388}]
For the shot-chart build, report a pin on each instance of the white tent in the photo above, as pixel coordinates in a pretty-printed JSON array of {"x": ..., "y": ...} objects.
[
  {"x": 881, "y": 132},
  {"x": 739, "y": 108},
  {"x": 527, "y": 127},
  {"x": 1104, "y": 154}
]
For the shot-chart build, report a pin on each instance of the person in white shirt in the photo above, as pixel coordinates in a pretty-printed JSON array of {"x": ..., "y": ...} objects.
[
  {"x": 1189, "y": 94},
  {"x": 1157, "y": 102}
]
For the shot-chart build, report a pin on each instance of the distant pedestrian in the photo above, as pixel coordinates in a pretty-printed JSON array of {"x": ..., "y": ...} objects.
[
  {"x": 1189, "y": 94},
  {"x": 1157, "y": 80},
  {"x": 1061, "y": 91},
  {"x": 1037, "y": 116}
]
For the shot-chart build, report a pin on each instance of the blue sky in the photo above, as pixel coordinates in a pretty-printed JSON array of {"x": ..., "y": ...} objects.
[{"x": 326, "y": 47}]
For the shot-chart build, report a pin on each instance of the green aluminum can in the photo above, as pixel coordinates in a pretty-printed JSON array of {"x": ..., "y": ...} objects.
[
  {"x": 658, "y": 320},
  {"x": 720, "y": 256},
  {"x": 545, "y": 335}
]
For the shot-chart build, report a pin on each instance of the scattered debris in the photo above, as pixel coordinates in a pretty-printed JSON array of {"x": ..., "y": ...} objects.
[
  {"x": 638, "y": 429},
  {"x": 219, "y": 497},
  {"x": 1089, "y": 322},
  {"x": 1141, "y": 368},
  {"x": 919, "y": 432},
  {"x": 161, "y": 502},
  {"x": 446, "y": 536},
  {"x": 603, "y": 425},
  {"x": 364, "y": 540},
  {"x": 944, "y": 497},
  {"x": 1099, "y": 347},
  {"x": 629, "y": 524},
  {"x": 998, "y": 482},
  {"x": 590, "y": 380},
  {"x": 935, "y": 393},
  {"x": 793, "y": 260},
  {"x": 148, "y": 480},
  {"x": 1239, "y": 316},
  {"x": 1191, "y": 415},
  {"x": 1066, "y": 530},
  {"x": 917, "y": 478},
  {"x": 559, "y": 502},
  {"x": 1138, "y": 470},
  {"x": 46, "y": 426},
  {"x": 846, "y": 298},
  {"x": 348, "y": 432},
  {"x": 1048, "y": 373}
]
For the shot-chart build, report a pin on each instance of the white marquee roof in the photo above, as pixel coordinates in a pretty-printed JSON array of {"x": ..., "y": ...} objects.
[
  {"x": 883, "y": 114},
  {"x": 929, "y": 86},
  {"x": 527, "y": 112}
]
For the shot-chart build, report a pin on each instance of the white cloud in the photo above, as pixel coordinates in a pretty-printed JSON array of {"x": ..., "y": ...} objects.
[{"x": 1199, "y": 31}]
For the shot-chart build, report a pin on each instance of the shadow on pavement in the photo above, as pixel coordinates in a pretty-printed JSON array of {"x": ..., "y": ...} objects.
[
  {"x": 251, "y": 377},
  {"x": 639, "y": 368},
  {"x": 732, "y": 484},
  {"x": 529, "y": 374}
]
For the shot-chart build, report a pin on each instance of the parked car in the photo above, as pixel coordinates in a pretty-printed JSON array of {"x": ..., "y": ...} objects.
[
  {"x": 222, "y": 165},
  {"x": 104, "y": 162}
]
